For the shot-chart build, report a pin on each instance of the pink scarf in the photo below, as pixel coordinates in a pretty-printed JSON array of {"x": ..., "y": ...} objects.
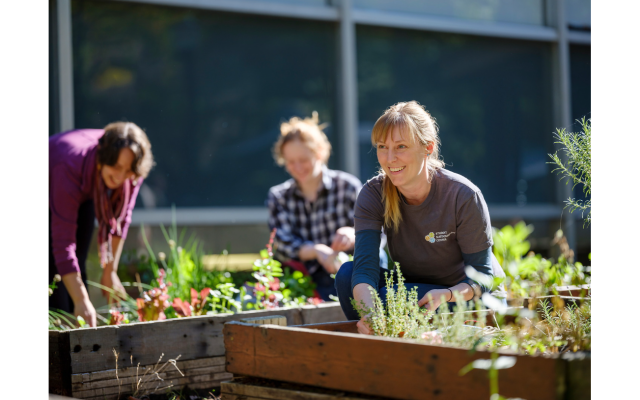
[{"x": 110, "y": 212}]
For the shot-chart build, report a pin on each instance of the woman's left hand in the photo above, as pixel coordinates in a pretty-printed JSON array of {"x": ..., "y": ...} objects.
[
  {"x": 344, "y": 239},
  {"x": 432, "y": 299}
]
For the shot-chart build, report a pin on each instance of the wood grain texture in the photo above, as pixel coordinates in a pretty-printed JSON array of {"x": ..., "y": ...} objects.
[
  {"x": 344, "y": 326},
  {"x": 237, "y": 389},
  {"x": 75, "y": 353},
  {"x": 270, "y": 320},
  {"x": 325, "y": 312},
  {"x": 159, "y": 386},
  {"x": 191, "y": 338},
  {"x": 394, "y": 368}
]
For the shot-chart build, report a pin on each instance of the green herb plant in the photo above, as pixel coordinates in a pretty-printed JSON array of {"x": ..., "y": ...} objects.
[{"x": 577, "y": 167}]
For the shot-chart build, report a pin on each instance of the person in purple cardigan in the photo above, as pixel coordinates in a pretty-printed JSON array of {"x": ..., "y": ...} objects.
[{"x": 93, "y": 174}]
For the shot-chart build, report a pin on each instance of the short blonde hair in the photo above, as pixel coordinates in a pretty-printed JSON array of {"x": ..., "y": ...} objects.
[
  {"x": 412, "y": 118},
  {"x": 306, "y": 131}
]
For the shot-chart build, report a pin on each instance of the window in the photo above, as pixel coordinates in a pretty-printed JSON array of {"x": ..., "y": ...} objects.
[
  {"x": 492, "y": 99},
  {"x": 516, "y": 11},
  {"x": 209, "y": 88}
]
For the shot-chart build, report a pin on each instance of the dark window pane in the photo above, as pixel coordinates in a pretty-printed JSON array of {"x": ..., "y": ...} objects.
[
  {"x": 578, "y": 14},
  {"x": 580, "y": 57},
  {"x": 491, "y": 98},
  {"x": 516, "y": 11},
  {"x": 209, "y": 88}
]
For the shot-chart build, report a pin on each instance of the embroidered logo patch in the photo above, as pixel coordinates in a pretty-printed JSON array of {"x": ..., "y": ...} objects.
[{"x": 438, "y": 236}]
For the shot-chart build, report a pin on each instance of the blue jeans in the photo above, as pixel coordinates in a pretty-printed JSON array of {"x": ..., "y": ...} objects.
[{"x": 343, "y": 287}]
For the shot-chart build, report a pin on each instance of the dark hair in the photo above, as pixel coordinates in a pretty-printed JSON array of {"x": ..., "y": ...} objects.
[{"x": 120, "y": 135}]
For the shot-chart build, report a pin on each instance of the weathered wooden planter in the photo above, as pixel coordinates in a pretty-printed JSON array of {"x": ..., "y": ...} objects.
[
  {"x": 82, "y": 362},
  {"x": 333, "y": 356}
]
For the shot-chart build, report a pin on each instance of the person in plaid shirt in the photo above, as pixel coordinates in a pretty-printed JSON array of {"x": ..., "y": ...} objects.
[{"x": 313, "y": 213}]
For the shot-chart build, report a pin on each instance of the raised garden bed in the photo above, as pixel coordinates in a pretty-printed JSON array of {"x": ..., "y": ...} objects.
[
  {"x": 82, "y": 362},
  {"x": 333, "y": 356}
]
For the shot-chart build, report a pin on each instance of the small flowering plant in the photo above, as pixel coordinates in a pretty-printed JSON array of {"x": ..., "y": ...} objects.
[
  {"x": 154, "y": 301},
  {"x": 223, "y": 298},
  {"x": 197, "y": 305},
  {"x": 52, "y": 285},
  {"x": 117, "y": 318},
  {"x": 267, "y": 272}
]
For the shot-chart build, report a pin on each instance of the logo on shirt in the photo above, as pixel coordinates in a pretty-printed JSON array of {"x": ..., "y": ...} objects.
[{"x": 438, "y": 236}]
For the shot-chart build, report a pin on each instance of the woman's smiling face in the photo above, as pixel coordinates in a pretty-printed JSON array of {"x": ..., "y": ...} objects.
[
  {"x": 115, "y": 175},
  {"x": 301, "y": 162},
  {"x": 403, "y": 159}
]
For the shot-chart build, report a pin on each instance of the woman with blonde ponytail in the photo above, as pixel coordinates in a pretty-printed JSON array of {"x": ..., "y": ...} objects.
[{"x": 436, "y": 221}]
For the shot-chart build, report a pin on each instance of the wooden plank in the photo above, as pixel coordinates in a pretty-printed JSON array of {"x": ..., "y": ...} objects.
[
  {"x": 194, "y": 337},
  {"x": 213, "y": 363},
  {"x": 345, "y": 326},
  {"x": 59, "y": 363},
  {"x": 197, "y": 386},
  {"x": 159, "y": 386},
  {"x": 395, "y": 368},
  {"x": 270, "y": 320},
  {"x": 242, "y": 390},
  {"x": 325, "y": 312}
]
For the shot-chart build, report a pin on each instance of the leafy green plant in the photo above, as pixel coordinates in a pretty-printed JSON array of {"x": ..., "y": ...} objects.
[
  {"x": 182, "y": 263},
  {"x": 223, "y": 298},
  {"x": 577, "y": 168},
  {"x": 532, "y": 275},
  {"x": 154, "y": 301},
  {"x": 510, "y": 244},
  {"x": 197, "y": 305},
  {"x": 399, "y": 315}
]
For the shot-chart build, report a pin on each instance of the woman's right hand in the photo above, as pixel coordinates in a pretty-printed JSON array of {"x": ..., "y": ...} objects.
[
  {"x": 363, "y": 326},
  {"x": 85, "y": 309}
]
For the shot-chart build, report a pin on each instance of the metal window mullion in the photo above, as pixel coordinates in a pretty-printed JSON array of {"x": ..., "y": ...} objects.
[
  {"x": 348, "y": 91},
  {"x": 562, "y": 61},
  {"x": 65, "y": 65}
]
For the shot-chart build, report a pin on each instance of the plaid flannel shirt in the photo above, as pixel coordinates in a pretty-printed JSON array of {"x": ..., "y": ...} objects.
[{"x": 300, "y": 222}]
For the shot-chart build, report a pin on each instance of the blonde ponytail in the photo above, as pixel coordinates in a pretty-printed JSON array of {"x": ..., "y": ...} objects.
[{"x": 414, "y": 119}]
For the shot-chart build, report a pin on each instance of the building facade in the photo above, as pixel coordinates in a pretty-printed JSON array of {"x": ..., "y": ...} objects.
[{"x": 211, "y": 80}]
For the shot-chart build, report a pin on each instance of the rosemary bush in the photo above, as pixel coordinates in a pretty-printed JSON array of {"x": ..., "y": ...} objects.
[{"x": 577, "y": 149}]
